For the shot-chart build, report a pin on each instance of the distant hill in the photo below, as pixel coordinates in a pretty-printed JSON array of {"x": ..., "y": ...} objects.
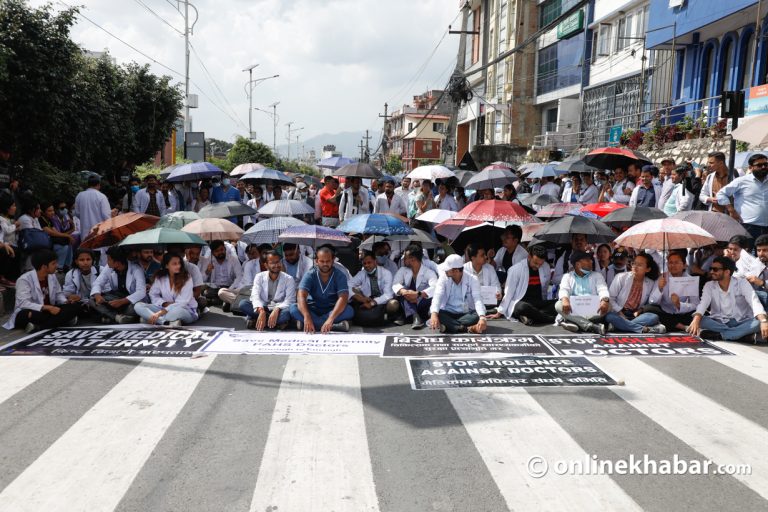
[{"x": 346, "y": 142}]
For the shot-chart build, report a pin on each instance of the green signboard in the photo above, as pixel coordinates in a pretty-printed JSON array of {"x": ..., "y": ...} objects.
[{"x": 571, "y": 25}]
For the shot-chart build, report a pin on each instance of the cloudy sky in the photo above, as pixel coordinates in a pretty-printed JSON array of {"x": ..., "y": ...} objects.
[{"x": 338, "y": 60}]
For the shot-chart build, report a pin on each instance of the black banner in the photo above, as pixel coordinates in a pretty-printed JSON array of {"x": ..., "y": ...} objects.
[
  {"x": 431, "y": 346},
  {"x": 111, "y": 342},
  {"x": 519, "y": 371},
  {"x": 632, "y": 345}
]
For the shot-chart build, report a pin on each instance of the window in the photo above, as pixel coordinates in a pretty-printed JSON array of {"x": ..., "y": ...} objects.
[
  {"x": 727, "y": 69},
  {"x": 550, "y": 10},
  {"x": 747, "y": 63},
  {"x": 551, "y": 120},
  {"x": 476, "y": 36},
  {"x": 410, "y": 126},
  {"x": 547, "y": 69},
  {"x": 604, "y": 40},
  {"x": 559, "y": 65},
  {"x": 427, "y": 147},
  {"x": 500, "y": 74},
  {"x": 625, "y": 34},
  {"x": 438, "y": 127}
]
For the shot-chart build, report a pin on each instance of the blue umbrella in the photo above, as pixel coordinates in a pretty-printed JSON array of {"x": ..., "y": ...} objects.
[
  {"x": 265, "y": 175},
  {"x": 375, "y": 224},
  {"x": 335, "y": 162},
  {"x": 193, "y": 172}
]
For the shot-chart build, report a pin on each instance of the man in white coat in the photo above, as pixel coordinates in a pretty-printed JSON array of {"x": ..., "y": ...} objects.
[
  {"x": 40, "y": 302},
  {"x": 389, "y": 201},
  {"x": 413, "y": 286},
  {"x": 525, "y": 291},
  {"x": 150, "y": 199},
  {"x": 457, "y": 305},
  {"x": 120, "y": 285},
  {"x": 354, "y": 200},
  {"x": 91, "y": 206},
  {"x": 679, "y": 199},
  {"x": 372, "y": 289},
  {"x": 582, "y": 281},
  {"x": 272, "y": 295}
]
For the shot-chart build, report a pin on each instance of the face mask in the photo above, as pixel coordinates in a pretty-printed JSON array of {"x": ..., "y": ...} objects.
[
  {"x": 135, "y": 188},
  {"x": 382, "y": 260},
  {"x": 63, "y": 212},
  {"x": 216, "y": 184},
  {"x": 586, "y": 273},
  {"x": 225, "y": 182},
  {"x": 371, "y": 272}
]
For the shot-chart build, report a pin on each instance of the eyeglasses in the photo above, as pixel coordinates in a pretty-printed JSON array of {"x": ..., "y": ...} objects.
[
  {"x": 762, "y": 165},
  {"x": 715, "y": 269}
]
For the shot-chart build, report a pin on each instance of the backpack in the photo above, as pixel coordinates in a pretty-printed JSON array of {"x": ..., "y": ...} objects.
[{"x": 32, "y": 239}]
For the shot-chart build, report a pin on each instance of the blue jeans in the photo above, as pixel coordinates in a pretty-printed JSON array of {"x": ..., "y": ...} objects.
[
  {"x": 63, "y": 254},
  {"x": 732, "y": 330},
  {"x": 246, "y": 307},
  {"x": 763, "y": 296},
  {"x": 175, "y": 312},
  {"x": 347, "y": 314},
  {"x": 623, "y": 324}
]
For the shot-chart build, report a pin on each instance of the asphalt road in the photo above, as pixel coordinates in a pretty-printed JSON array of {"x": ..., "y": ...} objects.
[{"x": 320, "y": 433}]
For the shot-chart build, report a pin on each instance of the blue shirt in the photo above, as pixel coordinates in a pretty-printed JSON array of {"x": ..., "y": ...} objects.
[
  {"x": 291, "y": 268},
  {"x": 218, "y": 195},
  {"x": 750, "y": 197},
  {"x": 457, "y": 302},
  {"x": 323, "y": 296},
  {"x": 646, "y": 197}
]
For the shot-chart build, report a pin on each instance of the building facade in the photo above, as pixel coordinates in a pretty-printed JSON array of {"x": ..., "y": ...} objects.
[{"x": 416, "y": 132}]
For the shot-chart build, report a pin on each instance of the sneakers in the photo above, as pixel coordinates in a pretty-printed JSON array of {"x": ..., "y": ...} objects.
[
  {"x": 710, "y": 335},
  {"x": 610, "y": 327},
  {"x": 525, "y": 320},
  {"x": 175, "y": 324},
  {"x": 30, "y": 328},
  {"x": 569, "y": 326},
  {"x": 299, "y": 326},
  {"x": 250, "y": 323},
  {"x": 124, "y": 319},
  {"x": 418, "y": 323},
  {"x": 597, "y": 329},
  {"x": 657, "y": 329},
  {"x": 342, "y": 326},
  {"x": 442, "y": 328}
]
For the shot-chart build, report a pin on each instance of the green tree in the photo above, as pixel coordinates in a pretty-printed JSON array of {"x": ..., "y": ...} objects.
[
  {"x": 394, "y": 164},
  {"x": 245, "y": 151}
]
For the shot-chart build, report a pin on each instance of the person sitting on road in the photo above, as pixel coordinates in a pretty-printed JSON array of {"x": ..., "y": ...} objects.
[
  {"x": 735, "y": 312},
  {"x": 479, "y": 267},
  {"x": 629, "y": 294},
  {"x": 222, "y": 272},
  {"x": 273, "y": 293},
  {"x": 510, "y": 253},
  {"x": 172, "y": 299},
  {"x": 383, "y": 252},
  {"x": 760, "y": 282},
  {"x": 40, "y": 302},
  {"x": 412, "y": 285},
  {"x": 563, "y": 263},
  {"x": 457, "y": 305},
  {"x": 372, "y": 289},
  {"x": 738, "y": 251},
  {"x": 118, "y": 288},
  {"x": 323, "y": 297},
  {"x": 79, "y": 281},
  {"x": 241, "y": 288},
  {"x": 525, "y": 291},
  {"x": 295, "y": 264},
  {"x": 582, "y": 281},
  {"x": 674, "y": 312}
]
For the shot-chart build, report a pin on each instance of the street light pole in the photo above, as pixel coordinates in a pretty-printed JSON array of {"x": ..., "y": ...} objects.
[
  {"x": 274, "y": 127},
  {"x": 288, "y": 124},
  {"x": 249, "y": 69}
]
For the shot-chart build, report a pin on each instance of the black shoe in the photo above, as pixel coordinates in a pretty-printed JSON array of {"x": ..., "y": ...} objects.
[
  {"x": 226, "y": 307},
  {"x": 525, "y": 320},
  {"x": 418, "y": 323},
  {"x": 342, "y": 326},
  {"x": 250, "y": 323},
  {"x": 710, "y": 335}
]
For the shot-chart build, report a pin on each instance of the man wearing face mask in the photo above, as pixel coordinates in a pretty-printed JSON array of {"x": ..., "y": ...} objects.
[
  {"x": 354, "y": 200},
  {"x": 295, "y": 263},
  {"x": 749, "y": 195},
  {"x": 582, "y": 281},
  {"x": 372, "y": 288},
  {"x": 383, "y": 252},
  {"x": 223, "y": 191},
  {"x": 149, "y": 200},
  {"x": 413, "y": 286},
  {"x": 128, "y": 198},
  {"x": 222, "y": 271}
]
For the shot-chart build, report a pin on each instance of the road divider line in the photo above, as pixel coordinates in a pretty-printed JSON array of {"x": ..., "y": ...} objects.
[{"x": 18, "y": 372}]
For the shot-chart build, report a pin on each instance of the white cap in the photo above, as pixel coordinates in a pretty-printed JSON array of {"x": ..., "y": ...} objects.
[{"x": 453, "y": 261}]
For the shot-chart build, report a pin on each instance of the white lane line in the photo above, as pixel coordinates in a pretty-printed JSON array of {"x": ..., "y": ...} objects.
[
  {"x": 316, "y": 456},
  {"x": 708, "y": 427},
  {"x": 91, "y": 466},
  {"x": 510, "y": 427},
  {"x": 748, "y": 360},
  {"x": 18, "y": 372}
]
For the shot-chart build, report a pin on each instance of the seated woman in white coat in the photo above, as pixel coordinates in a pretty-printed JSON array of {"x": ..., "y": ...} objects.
[
  {"x": 40, "y": 303},
  {"x": 479, "y": 267},
  {"x": 172, "y": 300},
  {"x": 629, "y": 293},
  {"x": 525, "y": 291}
]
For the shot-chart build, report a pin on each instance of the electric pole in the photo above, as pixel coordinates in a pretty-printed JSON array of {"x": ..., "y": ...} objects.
[
  {"x": 367, "y": 149},
  {"x": 249, "y": 69},
  {"x": 289, "y": 138},
  {"x": 362, "y": 147},
  {"x": 288, "y": 124},
  {"x": 274, "y": 127},
  {"x": 385, "y": 137},
  {"x": 449, "y": 144}
]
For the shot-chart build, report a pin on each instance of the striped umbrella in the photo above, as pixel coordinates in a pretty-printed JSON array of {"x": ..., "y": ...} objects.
[
  {"x": 721, "y": 226},
  {"x": 314, "y": 236},
  {"x": 193, "y": 172},
  {"x": 267, "y": 231}
]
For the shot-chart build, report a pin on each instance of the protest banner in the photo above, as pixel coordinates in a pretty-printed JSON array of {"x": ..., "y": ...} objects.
[
  {"x": 112, "y": 342},
  {"x": 457, "y": 344},
  {"x": 251, "y": 342},
  {"x": 518, "y": 371},
  {"x": 585, "y": 305},
  {"x": 632, "y": 345}
]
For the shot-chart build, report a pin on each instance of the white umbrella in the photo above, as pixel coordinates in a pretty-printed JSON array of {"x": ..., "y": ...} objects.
[
  {"x": 243, "y": 169},
  {"x": 753, "y": 129},
  {"x": 214, "y": 229},
  {"x": 436, "y": 216},
  {"x": 665, "y": 234},
  {"x": 431, "y": 173}
]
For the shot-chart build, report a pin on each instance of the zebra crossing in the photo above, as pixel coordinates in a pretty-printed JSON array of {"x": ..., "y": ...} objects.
[{"x": 346, "y": 433}]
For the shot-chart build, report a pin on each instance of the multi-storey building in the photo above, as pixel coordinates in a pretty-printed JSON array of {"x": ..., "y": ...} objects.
[{"x": 416, "y": 132}]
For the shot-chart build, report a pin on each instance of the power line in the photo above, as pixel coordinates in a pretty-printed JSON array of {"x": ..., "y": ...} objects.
[
  {"x": 215, "y": 84},
  {"x": 145, "y": 6}
]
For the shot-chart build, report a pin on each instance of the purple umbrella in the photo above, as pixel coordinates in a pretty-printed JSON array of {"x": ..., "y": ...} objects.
[{"x": 314, "y": 236}]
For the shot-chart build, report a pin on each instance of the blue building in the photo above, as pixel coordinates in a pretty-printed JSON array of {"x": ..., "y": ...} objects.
[{"x": 715, "y": 48}]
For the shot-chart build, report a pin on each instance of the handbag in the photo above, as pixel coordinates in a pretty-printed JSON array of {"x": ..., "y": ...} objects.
[{"x": 32, "y": 239}]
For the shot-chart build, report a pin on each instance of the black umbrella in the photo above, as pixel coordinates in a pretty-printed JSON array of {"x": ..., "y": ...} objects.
[
  {"x": 561, "y": 230},
  {"x": 538, "y": 200},
  {"x": 224, "y": 210},
  {"x": 578, "y": 166},
  {"x": 626, "y": 217},
  {"x": 358, "y": 170},
  {"x": 486, "y": 235},
  {"x": 461, "y": 179},
  {"x": 491, "y": 178},
  {"x": 610, "y": 158}
]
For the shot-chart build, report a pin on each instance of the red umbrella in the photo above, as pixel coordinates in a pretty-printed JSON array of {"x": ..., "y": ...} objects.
[
  {"x": 493, "y": 210},
  {"x": 554, "y": 210},
  {"x": 610, "y": 158},
  {"x": 452, "y": 228},
  {"x": 115, "y": 229},
  {"x": 602, "y": 209}
]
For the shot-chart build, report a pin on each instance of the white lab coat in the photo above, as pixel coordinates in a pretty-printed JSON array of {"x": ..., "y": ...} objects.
[
  {"x": 382, "y": 205},
  {"x": 470, "y": 292},
  {"x": 161, "y": 292},
  {"x": 383, "y": 278},
  {"x": 656, "y": 192},
  {"x": 664, "y": 300},
  {"x": 91, "y": 207},
  {"x": 72, "y": 282},
  {"x": 250, "y": 269},
  {"x": 622, "y": 285},
  {"x": 746, "y": 303},
  {"x": 486, "y": 277},
  {"x": 29, "y": 295},
  {"x": 285, "y": 293},
  {"x": 425, "y": 279},
  {"x": 517, "y": 284},
  {"x": 141, "y": 201},
  {"x": 135, "y": 282},
  {"x": 346, "y": 203},
  {"x": 596, "y": 283}
]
